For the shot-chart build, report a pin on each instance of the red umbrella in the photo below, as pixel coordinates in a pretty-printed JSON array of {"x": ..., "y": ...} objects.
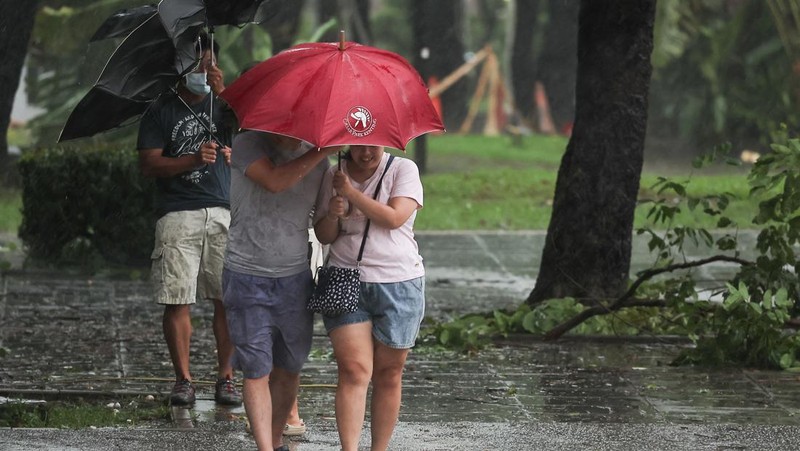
[{"x": 335, "y": 94}]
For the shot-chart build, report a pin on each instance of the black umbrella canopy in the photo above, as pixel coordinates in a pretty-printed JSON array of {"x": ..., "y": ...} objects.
[
  {"x": 141, "y": 69},
  {"x": 158, "y": 50},
  {"x": 184, "y": 18},
  {"x": 241, "y": 12},
  {"x": 178, "y": 15},
  {"x": 122, "y": 22}
]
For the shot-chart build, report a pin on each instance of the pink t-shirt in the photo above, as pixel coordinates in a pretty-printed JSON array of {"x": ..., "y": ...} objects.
[{"x": 389, "y": 255}]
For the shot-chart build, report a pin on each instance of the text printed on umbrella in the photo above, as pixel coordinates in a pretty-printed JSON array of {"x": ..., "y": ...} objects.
[{"x": 359, "y": 122}]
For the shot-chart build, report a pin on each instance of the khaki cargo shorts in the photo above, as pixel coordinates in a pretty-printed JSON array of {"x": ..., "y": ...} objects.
[{"x": 188, "y": 255}]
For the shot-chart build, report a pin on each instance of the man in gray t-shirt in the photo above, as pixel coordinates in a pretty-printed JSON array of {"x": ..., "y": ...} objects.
[{"x": 266, "y": 277}]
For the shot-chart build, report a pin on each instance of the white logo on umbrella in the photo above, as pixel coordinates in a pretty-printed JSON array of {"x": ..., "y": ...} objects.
[
  {"x": 359, "y": 121},
  {"x": 361, "y": 116}
]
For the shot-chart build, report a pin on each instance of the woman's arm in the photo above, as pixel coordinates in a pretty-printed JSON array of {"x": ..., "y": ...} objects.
[
  {"x": 391, "y": 215},
  {"x": 327, "y": 227}
]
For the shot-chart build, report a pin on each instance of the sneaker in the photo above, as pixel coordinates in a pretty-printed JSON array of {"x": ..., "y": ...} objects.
[
  {"x": 291, "y": 430},
  {"x": 225, "y": 392},
  {"x": 182, "y": 393}
]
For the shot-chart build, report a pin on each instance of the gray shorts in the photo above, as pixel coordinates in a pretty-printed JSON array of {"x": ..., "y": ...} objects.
[
  {"x": 268, "y": 321},
  {"x": 395, "y": 309},
  {"x": 188, "y": 254}
]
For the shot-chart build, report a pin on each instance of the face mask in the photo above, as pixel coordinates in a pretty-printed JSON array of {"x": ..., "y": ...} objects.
[{"x": 196, "y": 83}]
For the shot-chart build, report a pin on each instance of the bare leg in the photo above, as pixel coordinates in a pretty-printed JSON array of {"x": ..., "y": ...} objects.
[
  {"x": 352, "y": 345},
  {"x": 387, "y": 389},
  {"x": 258, "y": 405},
  {"x": 177, "y": 327},
  {"x": 294, "y": 415},
  {"x": 283, "y": 386},
  {"x": 224, "y": 346}
]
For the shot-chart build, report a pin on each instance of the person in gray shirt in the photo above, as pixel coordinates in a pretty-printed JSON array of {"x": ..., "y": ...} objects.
[{"x": 266, "y": 278}]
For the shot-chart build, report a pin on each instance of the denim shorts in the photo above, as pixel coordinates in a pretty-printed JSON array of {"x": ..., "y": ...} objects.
[
  {"x": 395, "y": 309},
  {"x": 188, "y": 254},
  {"x": 268, "y": 321}
]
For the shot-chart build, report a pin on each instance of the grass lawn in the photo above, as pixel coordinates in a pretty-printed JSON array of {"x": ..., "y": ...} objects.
[
  {"x": 492, "y": 183},
  {"x": 10, "y": 210}
]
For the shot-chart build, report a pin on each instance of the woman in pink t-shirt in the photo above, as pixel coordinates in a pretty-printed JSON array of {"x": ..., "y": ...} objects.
[{"x": 372, "y": 343}]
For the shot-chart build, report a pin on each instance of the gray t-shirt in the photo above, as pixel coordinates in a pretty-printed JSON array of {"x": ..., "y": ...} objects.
[{"x": 268, "y": 236}]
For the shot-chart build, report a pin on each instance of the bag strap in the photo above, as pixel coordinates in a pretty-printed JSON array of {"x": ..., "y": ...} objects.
[{"x": 366, "y": 227}]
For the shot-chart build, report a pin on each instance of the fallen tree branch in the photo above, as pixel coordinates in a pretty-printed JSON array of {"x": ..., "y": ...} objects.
[
  {"x": 648, "y": 274},
  {"x": 601, "y": 309},
  {"x": 627, "y": 300}
]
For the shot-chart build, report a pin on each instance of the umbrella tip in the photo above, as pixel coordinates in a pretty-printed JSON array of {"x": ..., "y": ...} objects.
[{"x": 341, "y": 39}]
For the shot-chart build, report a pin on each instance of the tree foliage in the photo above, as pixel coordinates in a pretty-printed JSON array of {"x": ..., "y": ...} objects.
[{"x": 721, "y": 74}]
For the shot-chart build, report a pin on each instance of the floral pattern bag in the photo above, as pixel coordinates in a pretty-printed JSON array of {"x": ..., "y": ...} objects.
[{"x": 337, "y": 291}]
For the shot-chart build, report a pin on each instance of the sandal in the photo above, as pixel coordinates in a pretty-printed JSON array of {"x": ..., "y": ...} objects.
[{"x": 292, "y": 430}]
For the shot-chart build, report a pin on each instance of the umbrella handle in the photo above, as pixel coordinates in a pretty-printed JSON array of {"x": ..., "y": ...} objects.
[{"x": 341, "y": 39}]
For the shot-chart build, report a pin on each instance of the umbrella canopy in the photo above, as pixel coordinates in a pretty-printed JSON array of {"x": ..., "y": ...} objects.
[
  {"x": 140, "y": 69},
  {"x": 181, "y": 14},
  {"x": 335, "y": 94},
  {"x": 159, "y": 48},
  {"x": 123, "y": 22},
  {"x": 184, "y": 18},
  {"x": 240, "y": 12}
]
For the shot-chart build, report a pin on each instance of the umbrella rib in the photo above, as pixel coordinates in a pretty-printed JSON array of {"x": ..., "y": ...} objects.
[
  {"x": 200, "y": 121},
  {"x": 99, "y": 77},
  {"x": 388, "y": 96},
  {"x": 327, "y": 97},
  {"x": 422, "y": 130},
  {"x": 325, "y": 105}
]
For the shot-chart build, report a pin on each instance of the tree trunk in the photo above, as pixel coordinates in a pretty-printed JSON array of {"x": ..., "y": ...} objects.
[
  {"x": 435, "y": 25},
  {"x": 421, "y": 154},
  {"x": 282, "y": 28},
  {"x": 489, "y": 20},
  {"x": 16, "y": 26},
  {"x": 358, "y": 12},
  {"x": 588, "y": 246},
  {"x": 352, "y": 16},
  {"x": 523, "y": 62},
  {"x": 326, "y": 10},
  {"x": 559, "y": 60}
]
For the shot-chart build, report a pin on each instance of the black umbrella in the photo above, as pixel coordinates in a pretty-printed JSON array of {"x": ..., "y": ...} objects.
[
  {"x": 180, "y": 14},
  {"x": 184, "y": 18},
  {"x": 141, "y": 69},
  {"x": 158, "y": 50},
  {"x": 122, "y": 22}
]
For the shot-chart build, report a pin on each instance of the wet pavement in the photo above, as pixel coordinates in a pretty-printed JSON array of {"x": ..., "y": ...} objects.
[{"x": 76, "y": 337}]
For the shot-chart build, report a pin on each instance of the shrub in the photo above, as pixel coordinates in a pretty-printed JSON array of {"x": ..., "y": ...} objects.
[{"x": 85, "y": 206}]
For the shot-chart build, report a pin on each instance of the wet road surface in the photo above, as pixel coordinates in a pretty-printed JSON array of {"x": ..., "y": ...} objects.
[{"x": 84, "y": 337}]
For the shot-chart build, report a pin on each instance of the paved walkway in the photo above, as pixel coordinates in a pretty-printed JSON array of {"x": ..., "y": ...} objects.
[{"x": 69, "y": 336}]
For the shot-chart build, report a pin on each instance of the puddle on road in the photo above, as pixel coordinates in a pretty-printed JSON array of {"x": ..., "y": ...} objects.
[
  {"x": 181, "y": 417},
  {"x": 204, "y": 411}
]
